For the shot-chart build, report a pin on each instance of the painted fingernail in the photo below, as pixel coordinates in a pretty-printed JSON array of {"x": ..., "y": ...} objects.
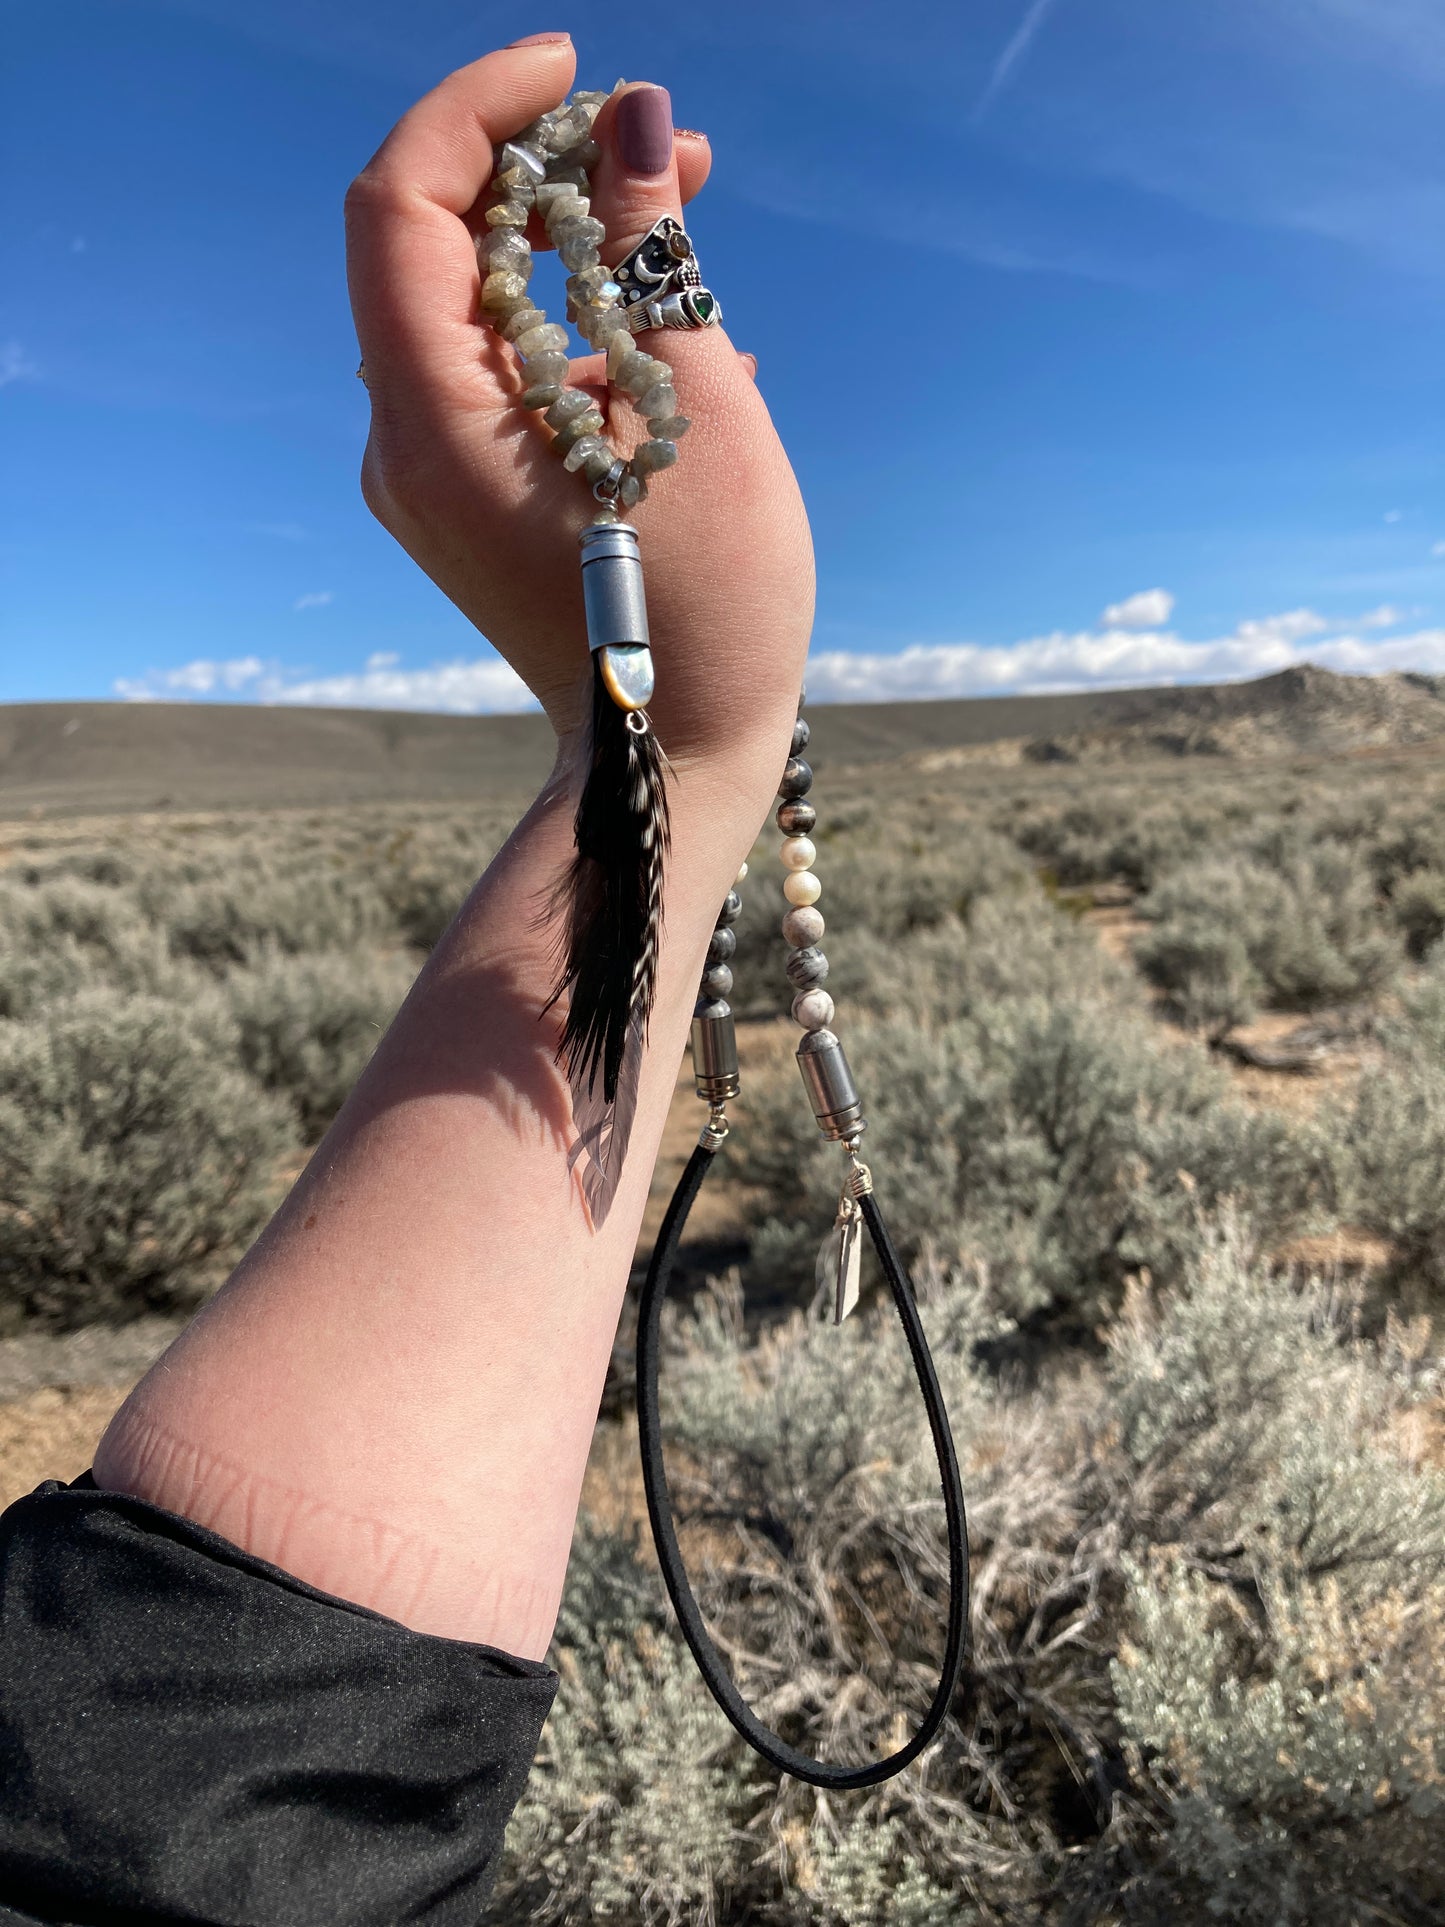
[
  {"x": 643, "y": 130},
  {"x": 540, "y": 40}
]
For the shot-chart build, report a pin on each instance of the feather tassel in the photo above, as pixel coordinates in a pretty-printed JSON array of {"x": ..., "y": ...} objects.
[{"x": 610, "y": 905}]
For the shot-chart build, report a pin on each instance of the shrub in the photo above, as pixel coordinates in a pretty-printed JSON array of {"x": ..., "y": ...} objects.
[
  {"x": 1419, "y": 906},
  {"x": 135, "y": 1158},
  {"x": 233, "y": 919},
  {"x": 57, "y": 938},
  {"x": 308, "y": 1024},
  {"x": 1232, "y": 933}
]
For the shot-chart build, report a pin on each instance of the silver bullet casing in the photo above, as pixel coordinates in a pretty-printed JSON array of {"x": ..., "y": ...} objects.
[
  {"x": 829, "y": 1082},
  {"x": 714, "y": 1053},
  {"x": 616, "y": 606}
]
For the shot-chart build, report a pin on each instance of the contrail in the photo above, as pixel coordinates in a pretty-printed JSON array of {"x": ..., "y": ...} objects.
[{"x": 1013, "y": 53}]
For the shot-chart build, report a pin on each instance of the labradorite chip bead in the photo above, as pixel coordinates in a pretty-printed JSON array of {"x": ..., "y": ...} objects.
[
  {"x": 651, "y": 456},
  {"x": 796, "y": 818},
  {"x": 631, "y": 490},
  {"x": 803, "y": 925},
  {"x": 801, "y": 733},
  {"x": 669, "y": 428},
  {"x": 717, "y": 980},
  {"x": 660, "y": 399},
  {"x": 580, "y": 427},
  {"x": 582, "y": 451},
  {"x": 542, "y": 395},
  {"x": 503, "y": 291},
  {"x": 522, "y": 322},
  {"x": 571, "y": 403},
  {"x": 546, "y": 367},
  {"x": 806, "y": 968},
  {"x": 732, "y": 909},
  {"x": 507, "y": 214},
  {"x": 797, "y": 778},
  {"x": 722, "y": 944},
  {"x": 548, "y": 337}
]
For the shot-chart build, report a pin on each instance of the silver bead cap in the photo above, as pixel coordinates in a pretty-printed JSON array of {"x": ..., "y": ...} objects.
[{"x": 601, "y": 539}]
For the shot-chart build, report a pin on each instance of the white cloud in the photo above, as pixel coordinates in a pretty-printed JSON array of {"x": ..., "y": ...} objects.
[
  {"x": 1115, "y": 657},
  {"x": 1385, "y": 617},
  {"x": 1008, "y": 61},
  {"x": 1437, "y": 548},
  {"x": 317, "y": 599},
  {"x": 15, "y": 364},
  {"x": 1147, "y": 610},
  {"x": 482, "y": 687},
  {"x": 1392, "y": 515}
]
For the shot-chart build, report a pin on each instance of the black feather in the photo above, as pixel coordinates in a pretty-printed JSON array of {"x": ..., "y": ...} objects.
[{"x": 610, "y": 902}]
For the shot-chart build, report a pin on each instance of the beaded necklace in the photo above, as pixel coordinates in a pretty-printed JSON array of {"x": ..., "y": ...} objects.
[{"x": 611, "y": 896}]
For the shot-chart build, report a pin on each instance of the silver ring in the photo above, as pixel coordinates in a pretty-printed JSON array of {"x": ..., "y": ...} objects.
[{"x": 660, "y": 284}]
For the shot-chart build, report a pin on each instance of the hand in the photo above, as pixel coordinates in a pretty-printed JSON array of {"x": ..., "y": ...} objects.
[{"x": 462, "y": 477}]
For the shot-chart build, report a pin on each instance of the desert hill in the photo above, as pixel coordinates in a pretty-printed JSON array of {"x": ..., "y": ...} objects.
[{"x": 78, "y": 758}]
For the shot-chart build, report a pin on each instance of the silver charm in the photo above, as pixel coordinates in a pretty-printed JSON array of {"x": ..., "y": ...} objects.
[
  {"x": 840, "y": 1258},
  {"x": 661, "y": 286}
]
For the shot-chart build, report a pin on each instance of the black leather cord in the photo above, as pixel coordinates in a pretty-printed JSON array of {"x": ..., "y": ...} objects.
[{"x": 649, "y": 1335}]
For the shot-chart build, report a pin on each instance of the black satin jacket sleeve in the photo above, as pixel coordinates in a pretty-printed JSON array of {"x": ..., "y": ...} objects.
[{"x": 188, "y": 1734}]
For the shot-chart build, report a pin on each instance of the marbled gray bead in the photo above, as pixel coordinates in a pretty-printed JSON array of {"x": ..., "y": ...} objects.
[
  {"x": 610, "y": 323},
  {"x": 660, "y": 399},
  {"x": 541, "y": 395},
  {"x": 806, "y": 968},
  {"x": 507, "y": 214},
  {"x": 813, "y": 1009},
  {"x": 651, "y": 456},
  {"x": 639, "y": 372},
  {"x": 562, "y": 197},
  {"x": 571, "y": 403},
  {"x": 577, "y": 227},
  {"x": 522, "y": 322},
  {"x": 504, "y": 293},
  {"x": 570, "y": 433},
  {"x": 803, "y": 925},
  {"x": 546, "y": 367},
  {"x": 795, "y": 818},
  {"x": 547, "y": 338},
  {"x": 631, "y": 490},
  {"x": 717, "y": 980},
  {"x": 669, "y": 428},
  {"x": 712, "y": 1007},
  {"x": 732, "y": 909},
  {"x": 801, "y": 733},
  {"x": 797, "y": 778},
  {"x": 721, "y": 944},
  {"x": 585, "y": 282}
]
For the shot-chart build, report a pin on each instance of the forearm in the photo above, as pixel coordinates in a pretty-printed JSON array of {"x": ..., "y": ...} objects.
[{"x": 394, "y": 1395}]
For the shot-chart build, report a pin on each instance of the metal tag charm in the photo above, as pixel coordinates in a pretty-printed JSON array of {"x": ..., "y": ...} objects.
[{"x": 840, "y": 1258}]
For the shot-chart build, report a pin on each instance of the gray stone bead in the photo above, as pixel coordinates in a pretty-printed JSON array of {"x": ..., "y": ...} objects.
[
  {"x": 522, "y": 322},
  {"x": 582, "y": 449},
  {"x": 797, "y": 778},
  {"x": 515, "y": 154},
  {"x": 652, "y": 456},
  {"x": 547, "y": 338},
  {"x": 732, "y": 909},
  {"x": 806, "y": 968},
  {"x": 577, "y": 255},
  {"x": 801, "y": 733},
  {"x": 577, "y": 227},
  {"x": 503, "y": 249},
  {"x": 608, "y": 325},
  {"x": 563, "y": 198},
  {"x": 569, "y": 405},
  {"x": 796, "y": 818},
  {"x": 541, "y": 395},
  {"x": 813, "y": 1009},
  {"x": 803, "y": 925},
  {"x": 516, "y": 183},
  {"x": 585, "y": 282},
  {"x": 712, "y": 1007},
  {"x": 570, "y": 433},
  {"x": 507, "y": 214},
  {"x": 660, "y": 399},
  {"x": 669, "y": 428},
  {"x": 598, "y": 465},
  {"x": 570, "y": 176},
  {"x": 546, "y": 367},
  {"x": 717, "y": 980},
  {"x": 721, "y": 944},
  {"x": 585, "y": 155},
  {"x": 504, "y": 293},
  {"x": 638, "y": 372},
  {"x": 631, "y": 490}
]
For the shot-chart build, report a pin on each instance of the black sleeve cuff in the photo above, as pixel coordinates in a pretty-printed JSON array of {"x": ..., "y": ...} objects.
[{"x": 190, "y": 1734}]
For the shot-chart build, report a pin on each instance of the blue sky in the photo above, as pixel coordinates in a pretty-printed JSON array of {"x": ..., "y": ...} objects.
[{"x": 1105, "y": 337}]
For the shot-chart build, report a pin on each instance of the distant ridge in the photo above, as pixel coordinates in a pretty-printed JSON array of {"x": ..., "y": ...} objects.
[{"x": 85, "y": 758}]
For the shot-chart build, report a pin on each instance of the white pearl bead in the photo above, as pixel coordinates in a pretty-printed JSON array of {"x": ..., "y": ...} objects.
[
  {"x": 813, "y": 1009},
  {"x": 801, "y": 886},
  {"x": 798, "y": 853},
  {"x": 742, "y": 873}
]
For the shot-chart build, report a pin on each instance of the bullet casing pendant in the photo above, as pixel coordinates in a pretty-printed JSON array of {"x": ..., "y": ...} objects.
[{"x": 616, "y": 606}]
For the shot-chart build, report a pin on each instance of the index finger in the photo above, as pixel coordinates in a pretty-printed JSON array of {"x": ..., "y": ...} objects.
[{"x": 411, "y": 263}]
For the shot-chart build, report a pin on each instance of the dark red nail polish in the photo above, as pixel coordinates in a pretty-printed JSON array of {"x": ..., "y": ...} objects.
[{"x": 643, "y": 130}]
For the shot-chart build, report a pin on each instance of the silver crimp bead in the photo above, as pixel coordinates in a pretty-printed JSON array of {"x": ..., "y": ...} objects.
[{"x": 829, "y": 1082}]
